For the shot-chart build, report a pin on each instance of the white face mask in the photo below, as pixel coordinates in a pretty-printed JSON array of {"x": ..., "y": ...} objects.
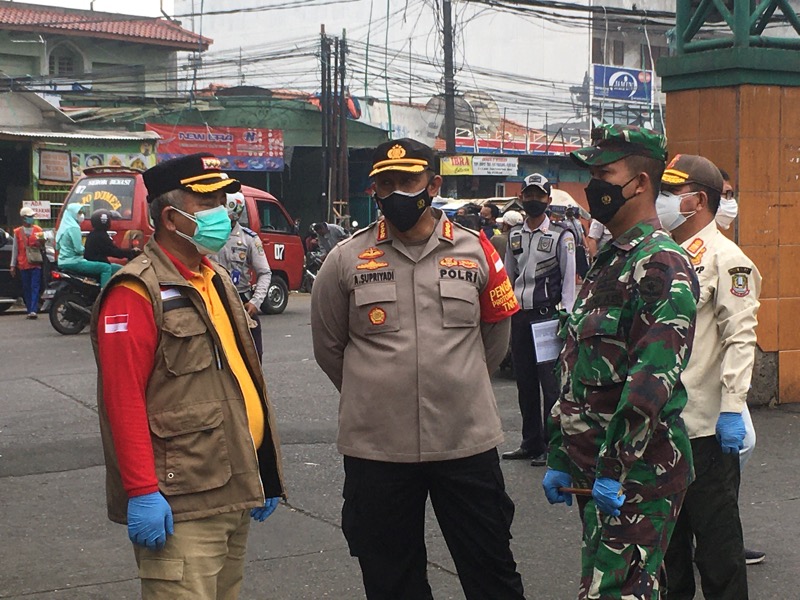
[
  {"x": 727, "y": 212},
  {"x": 81, "y": 217},
  {"x": 668, "y": 207}
]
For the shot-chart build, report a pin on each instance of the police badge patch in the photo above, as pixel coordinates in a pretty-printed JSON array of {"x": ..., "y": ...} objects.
[
  {"x": 545, "y": 244},
  {"x": 740, "y": 283}
]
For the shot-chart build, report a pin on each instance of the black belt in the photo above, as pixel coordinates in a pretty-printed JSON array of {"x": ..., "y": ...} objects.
[{"x": 540, "y": 310}]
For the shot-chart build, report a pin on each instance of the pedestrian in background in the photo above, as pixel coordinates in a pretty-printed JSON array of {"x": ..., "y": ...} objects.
[
  {"x": 409, "y": 318},
  {"x": 617, "y": 427},
  {"x": 597, "y": 237},
  {"x": 540, "y": 260},
  {"x": 509, "y": 220},
  {"x": 189, "y": 435},
  {"x": 244, "y": 258},
  {"x": 328, "y": 235},
  {"x": 99, "y": 246},
  {"x": 27, "y": 259},
  {"x": 717, "y": 379},
  {"x": 489, "y": 214},
  {"x": 69, "y": 245}
]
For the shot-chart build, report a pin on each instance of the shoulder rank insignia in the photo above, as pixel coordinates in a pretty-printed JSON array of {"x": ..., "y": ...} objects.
[
  {"x": 693, "y": 248},
  {"x": 371, "y": 253},
  {"x": 372, "y": 265},
  {"x": 740, "y": 283},
  {"x": 383, "y": 232},
  {"x": 447, "y": 230}
]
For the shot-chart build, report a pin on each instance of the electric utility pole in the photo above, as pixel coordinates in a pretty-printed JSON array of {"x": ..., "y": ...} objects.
[{"x": 449, "y": 80}]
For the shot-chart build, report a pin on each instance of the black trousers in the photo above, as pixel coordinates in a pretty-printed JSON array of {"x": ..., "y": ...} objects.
[
  {"x": 530, "y": 376},
  {"x": 710, "y": 516},
  {"x": 383, "y": 520}
]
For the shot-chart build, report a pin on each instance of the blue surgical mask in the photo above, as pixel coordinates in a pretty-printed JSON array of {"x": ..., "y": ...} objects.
[
  {"x": 27, "y": 220},
  {"x": 212, "y": 231}
]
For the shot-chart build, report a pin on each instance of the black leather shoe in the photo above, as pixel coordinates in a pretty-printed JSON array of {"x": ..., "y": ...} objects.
[
  {"x": 518, "y": 454},
  {"x": 539, "y": 461}
]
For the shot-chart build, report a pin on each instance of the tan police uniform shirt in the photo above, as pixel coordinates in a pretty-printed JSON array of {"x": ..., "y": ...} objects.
[
  {"x": 409, "y": 337},
  {"x": 718, "y": 375}
]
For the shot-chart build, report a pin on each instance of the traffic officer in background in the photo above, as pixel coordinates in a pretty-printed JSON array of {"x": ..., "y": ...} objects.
[
  {"x": 540, "y": 259},
  {"x": 717, "y": 379},
  {"x": 409, "y": 318},
  {"x": 617, "y": 427},
  {"x": 243, "y": 256}
]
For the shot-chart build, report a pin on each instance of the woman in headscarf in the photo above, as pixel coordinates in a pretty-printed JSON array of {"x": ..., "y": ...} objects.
[{"x": 70, "y": 247}]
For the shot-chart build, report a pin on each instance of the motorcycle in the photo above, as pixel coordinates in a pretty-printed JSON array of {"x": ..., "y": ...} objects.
[
  {"x": 312, "y": 264},
  {"x": 68, "y": 299}
]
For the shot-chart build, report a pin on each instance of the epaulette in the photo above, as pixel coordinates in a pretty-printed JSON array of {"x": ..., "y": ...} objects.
[
  {"x": 248, "y": 231},
  {"x": 467, "y": 229},
  {"x": 359, "y": 232}
]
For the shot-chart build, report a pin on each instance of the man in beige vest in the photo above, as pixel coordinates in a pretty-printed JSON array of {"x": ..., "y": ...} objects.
[
  {"x": 189, "y": 435},
  {"x": 409, "y": 318},
  {"x": 717, "y": 378}
]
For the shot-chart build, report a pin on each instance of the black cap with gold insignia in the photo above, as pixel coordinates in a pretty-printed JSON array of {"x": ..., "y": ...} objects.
[
  {"x": 404, "y": 154},
  {"x": 199, "y": 173}
]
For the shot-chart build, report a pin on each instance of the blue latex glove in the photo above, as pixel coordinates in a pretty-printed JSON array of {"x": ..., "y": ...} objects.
[
  {"x": 261, "y": 513},
  {"x": 149, "y": 520},
  {"x": 552, "y": 481},
  {"x": 730, "y": 432},
  {"x": 608, "y": 496}
]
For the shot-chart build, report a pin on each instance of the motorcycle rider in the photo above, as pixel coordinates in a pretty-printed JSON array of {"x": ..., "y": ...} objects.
[
  {"x": 99, "y": 246},
  {"x": 243, "y": 255}
]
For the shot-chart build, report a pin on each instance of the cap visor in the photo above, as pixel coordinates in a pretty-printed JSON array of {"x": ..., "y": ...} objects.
[
  {"x": 535, "y": 186},
  {"x": 399, "y": 167},
  {"x": 592, "y": 156},
  {"x": 229, "y": 185}
]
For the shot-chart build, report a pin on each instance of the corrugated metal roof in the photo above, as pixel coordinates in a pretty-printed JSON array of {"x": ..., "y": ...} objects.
[
  {"x": 85, "y": 134},
  {"x": 145, "y": 30}
]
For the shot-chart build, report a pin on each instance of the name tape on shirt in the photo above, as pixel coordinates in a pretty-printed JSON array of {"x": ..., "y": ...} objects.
[{"x": 116, "y": 323}]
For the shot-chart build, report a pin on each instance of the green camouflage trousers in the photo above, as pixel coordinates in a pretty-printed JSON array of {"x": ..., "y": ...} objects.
[{"x": 622, "y": 557}]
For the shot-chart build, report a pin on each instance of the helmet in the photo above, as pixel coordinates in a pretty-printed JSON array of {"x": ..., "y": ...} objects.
[
  {"x": 101, "y": 219},
  {"x": 26, "y": 211},
  {"x": 235, "y": 204}
]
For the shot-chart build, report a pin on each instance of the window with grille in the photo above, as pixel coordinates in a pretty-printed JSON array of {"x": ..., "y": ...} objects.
[{"x": 64, "y": 62}]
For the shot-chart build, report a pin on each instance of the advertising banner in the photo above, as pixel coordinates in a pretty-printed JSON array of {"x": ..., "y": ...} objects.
[
  {"x": 500, "y": 166},
  {"x": 619, "y": 83},
  {"x": 55, "y": 165},
  {"x": 239, "y": 148},
  {"x": 41, "y": 208},
  {"x": 455, "y": 165}
]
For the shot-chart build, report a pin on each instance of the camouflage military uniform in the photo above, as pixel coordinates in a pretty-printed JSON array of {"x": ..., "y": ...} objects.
[{"x": 618, "y": 416}]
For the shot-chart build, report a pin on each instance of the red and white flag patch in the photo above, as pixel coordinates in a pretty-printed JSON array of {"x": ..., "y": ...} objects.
[{"x": 116, "y": 323}]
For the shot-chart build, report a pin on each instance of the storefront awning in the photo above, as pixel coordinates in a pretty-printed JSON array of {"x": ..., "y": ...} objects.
[{"x": 85, "y": 134}]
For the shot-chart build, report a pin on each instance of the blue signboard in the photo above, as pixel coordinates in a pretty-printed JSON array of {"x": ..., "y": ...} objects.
[{"x": 619, "y": 83}]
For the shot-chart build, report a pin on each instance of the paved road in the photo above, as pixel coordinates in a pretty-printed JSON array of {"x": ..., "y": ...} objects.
[{"x": 57, "y": 542}]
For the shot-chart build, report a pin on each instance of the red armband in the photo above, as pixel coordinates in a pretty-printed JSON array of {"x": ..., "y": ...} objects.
[{"x": 498, "y": 301}]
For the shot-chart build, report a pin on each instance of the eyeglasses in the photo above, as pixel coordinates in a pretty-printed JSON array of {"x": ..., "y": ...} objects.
[{"x": 728, "y": 195}]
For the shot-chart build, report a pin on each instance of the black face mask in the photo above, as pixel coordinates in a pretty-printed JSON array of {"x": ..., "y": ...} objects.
[
  {"x": 605, "y": 199},
  {"x": 403, "y": 210},
  {"x": 534, "y": 208}
]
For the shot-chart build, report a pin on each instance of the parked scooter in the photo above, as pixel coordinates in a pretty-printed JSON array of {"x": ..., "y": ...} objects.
[
  {"x": 68, "y": 299},
  {"x": 312, "y": 264}
]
